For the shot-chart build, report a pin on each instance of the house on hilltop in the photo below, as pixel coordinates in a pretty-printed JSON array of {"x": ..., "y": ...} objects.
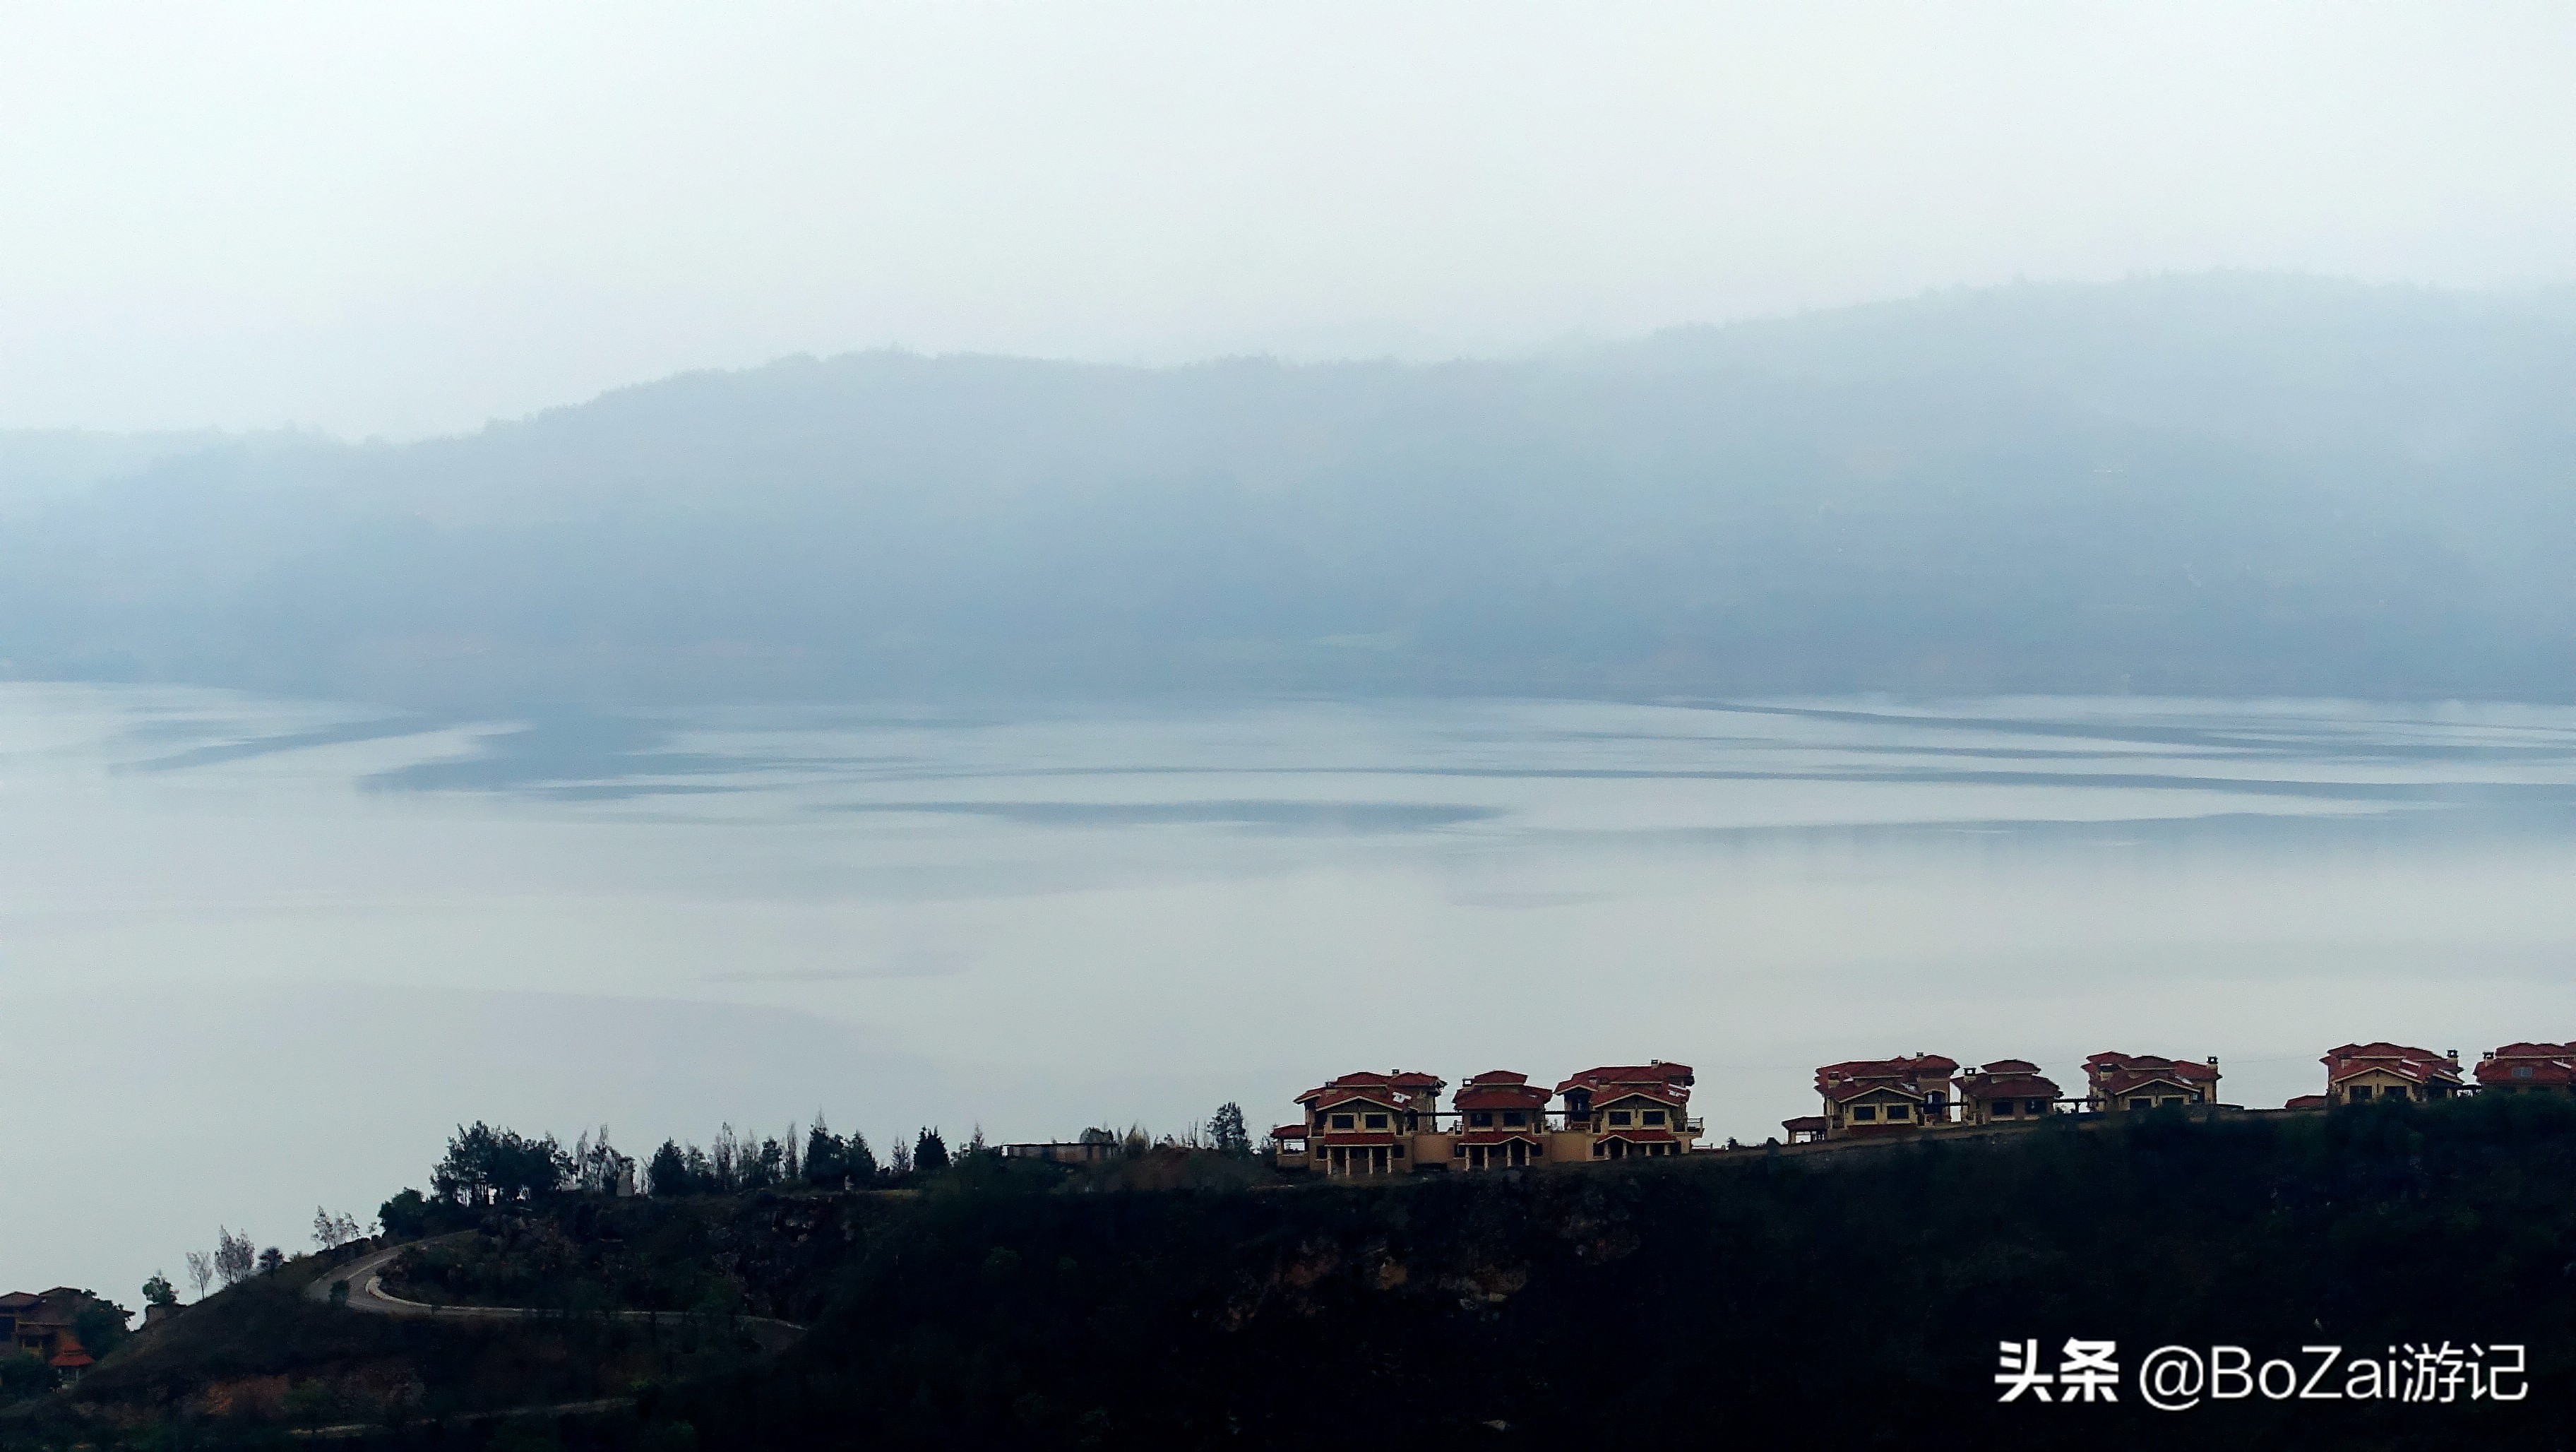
[
  {"x": 2124, "y": 1083},
  {"x": 1627, "y": 1110},
  {"x": 39, "y": 1324},
  {"x": 1882, "y": 1096},
  {"x": 2528, "y": 1069},
  {"x": 1367, "y": 1123},
  {"x": 1502, "y": 1122},
  {"x": 2007, "y": 1091},
  {"x": 2368, "y": 1073},
  {"x": 1091, "y": 1147}
]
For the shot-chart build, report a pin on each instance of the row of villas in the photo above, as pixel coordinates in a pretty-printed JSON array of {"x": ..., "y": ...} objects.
[
  {"x": 1881, "y": 1096},
  {"x": 1865, "y": 1097},
  {"x": 1925, "y": 1090},
  {"x": 1392, "y": 1123}
]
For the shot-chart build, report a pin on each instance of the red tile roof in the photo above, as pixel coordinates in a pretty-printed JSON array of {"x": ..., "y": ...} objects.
[
  {"x": 1641, "y": 1136},
  {"x": 1835, "y": 1079},
  {"x": 1497, "y": 1136},
  {"x": 1395, "y": 1081},
  {"x": 1496, "y": 1076},
  {"x": 1333, "y": 1096},
  {"x": 2306, "y": 1101},
  {"x": 2529, "y": 1064},
  {"x": 1805, "y": 1124},
  {"x": 1500, "y": 1096},
  {"x": 2112, "y": 1074},
  {"x": 1853, "y": 1078},
  {"x": 2191, "y": 1070},
  {"x": 2416, "y": 1066},
  {"x": 2007, "y": 1086},
  {"x": 1846, "y": 1093},
  {"x": 71, "y": 1359},
  {"x": 2009, "y": 1066},
  {"x": 1289, "y": 1131},
  {"x": 1343, "y": 1138},
  {"x": 1657, "y": 1073}
]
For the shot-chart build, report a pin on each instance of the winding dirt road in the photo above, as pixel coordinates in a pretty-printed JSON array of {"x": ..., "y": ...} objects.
[{"x": 365, "y": 1278}]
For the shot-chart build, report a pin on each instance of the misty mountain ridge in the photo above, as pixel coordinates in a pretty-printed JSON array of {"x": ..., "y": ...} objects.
[{"x": 2227, "y": 484}]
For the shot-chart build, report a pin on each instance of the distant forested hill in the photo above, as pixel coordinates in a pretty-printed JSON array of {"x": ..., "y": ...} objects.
[{"x": 2229, "y": 484}]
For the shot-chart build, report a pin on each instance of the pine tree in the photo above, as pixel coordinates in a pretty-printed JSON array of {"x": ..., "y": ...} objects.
[
  {"x": 825, "y": 1156},
  {"x": 668, "y": 1171},
  {"x": 930, "y": 1152}
]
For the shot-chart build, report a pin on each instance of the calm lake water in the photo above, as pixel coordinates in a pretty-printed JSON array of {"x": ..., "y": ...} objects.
[{"x": 268, "y": 953}]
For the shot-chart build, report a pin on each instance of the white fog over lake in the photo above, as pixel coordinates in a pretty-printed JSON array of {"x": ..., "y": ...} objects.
[{"x": 264, "y": 951}]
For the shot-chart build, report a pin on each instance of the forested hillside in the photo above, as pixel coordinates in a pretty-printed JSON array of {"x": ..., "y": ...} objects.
[
  {"x": 2229, "y": 484},
  {"x": 1851, "y": 1298}
]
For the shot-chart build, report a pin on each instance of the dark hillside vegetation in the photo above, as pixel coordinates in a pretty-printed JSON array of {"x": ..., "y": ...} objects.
[
  {"x": 1851, "y": 1299},
  {"x": 250, "y": 1365}
]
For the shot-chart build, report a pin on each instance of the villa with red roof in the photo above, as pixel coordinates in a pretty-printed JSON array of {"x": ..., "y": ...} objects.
[
  {"x": 1368, "y": 1123},
  {"x": 2007, "y": 1091},
  {"x": 2116, "y": 1082},
  {"x": 1883, "y": 1096},
  {"x": 1629, "y": 1110},
  {"x": 1502, "y": 1122},
  {"x": 2529, "y": 1069},
  {"x": 39, "y": 1324},
  {"x": 2368, "y": 1073}
]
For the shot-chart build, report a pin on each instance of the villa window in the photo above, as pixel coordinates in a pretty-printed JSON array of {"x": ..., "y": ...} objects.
[
  {"x": 2359, "y": 1093},
  {"x": 2522, "y": 1071},
  {"x": 1618, "y": 1116},
  {"x": 1900, "y": 1111},
  {"x": 1515, "y": 1118},
  {"x": 1341, "y": 1121},
  {"x": 1399, "y": 1151},
  {"x": 1376, "y": 1121},
  {"x": 2035, "y": 1106},
  {"x": 1481, "y": 1118},
  {"x": 1654, "y": 1116},
  {"x": 2169, "y": 1102},
  {"x": 2003, "y": 1109},
  {"x": 1864, "y": 1113},
  {"x": 2142, "y": 1102}
]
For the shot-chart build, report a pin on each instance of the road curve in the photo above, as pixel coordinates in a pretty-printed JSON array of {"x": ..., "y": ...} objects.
[{"x": 365, "y": 1278}]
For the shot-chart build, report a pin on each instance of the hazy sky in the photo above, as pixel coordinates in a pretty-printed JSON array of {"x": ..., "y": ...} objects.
[{"x": 409, "y": 218}]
